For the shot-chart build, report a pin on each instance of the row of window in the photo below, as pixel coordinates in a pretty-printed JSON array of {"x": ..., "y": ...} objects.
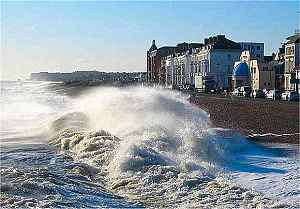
[
  {"x": 248, "y": 47},
  {"x": 290, "y": 50}
]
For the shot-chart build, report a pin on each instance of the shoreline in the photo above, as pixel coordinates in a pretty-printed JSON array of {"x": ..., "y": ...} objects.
[{"x": 260, "y": 120}]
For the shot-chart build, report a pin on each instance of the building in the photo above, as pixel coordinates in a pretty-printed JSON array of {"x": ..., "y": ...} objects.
[
  {"x": 291, "y": 63},
  {"x": 241, "y": 75},
  {"x": 257, "y": 73},
  {"x": 155, "y": 71},
  {"x": 170, "y": 71},
  {"x": 214, "y": 61},
  {"x": 256, "y": 49},
  {"x": 262, "y": 75},
  {"x": 278, "y": 66},
  {"x": 179, "y": 72}
]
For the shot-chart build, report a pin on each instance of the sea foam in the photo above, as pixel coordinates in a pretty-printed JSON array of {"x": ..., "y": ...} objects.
[{"x": 152, "y": 146}]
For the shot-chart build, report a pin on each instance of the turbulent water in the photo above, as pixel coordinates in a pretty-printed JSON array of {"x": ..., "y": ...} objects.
[{"x": 132, "y": 147}]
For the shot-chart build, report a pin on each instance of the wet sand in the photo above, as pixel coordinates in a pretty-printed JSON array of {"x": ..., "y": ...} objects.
[{"x": 259, "y": 119}]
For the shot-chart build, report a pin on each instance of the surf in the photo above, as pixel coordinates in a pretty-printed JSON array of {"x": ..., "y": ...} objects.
[{"x": 152, "y": 146}]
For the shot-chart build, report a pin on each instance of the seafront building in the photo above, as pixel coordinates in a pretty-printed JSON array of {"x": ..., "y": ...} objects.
[
  {"x": 257, "y": 73},
  {"x": 262, "y": 75},
  {"x": 195, "y": 65},
  {"x": 291, "y": 67},
  {"x": 158, "y": 62},
  {"x": 278, "y": 65},
  {"x": 180, "y": 69},
  {"x": 155, "y": 72},
  {"x": 241, "y": 75},
  {"x": 215, "y": 63}
]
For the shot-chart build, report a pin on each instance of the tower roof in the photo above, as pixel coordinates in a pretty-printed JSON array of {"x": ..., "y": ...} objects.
[
  {"x": 153, "y": 46},
  {"x": 241, "y": 69}
]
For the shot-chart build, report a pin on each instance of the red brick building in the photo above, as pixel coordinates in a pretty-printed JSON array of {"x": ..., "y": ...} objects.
[{"x": 154, "y": 58}]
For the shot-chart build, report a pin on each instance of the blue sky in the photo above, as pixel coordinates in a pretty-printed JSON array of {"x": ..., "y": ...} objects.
[{"x": 64, "y": 36}]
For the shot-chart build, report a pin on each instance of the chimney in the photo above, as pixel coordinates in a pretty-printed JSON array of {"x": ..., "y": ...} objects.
[
  {"x": 221, "y": 37},
  {"x": 205, "y": 41}
]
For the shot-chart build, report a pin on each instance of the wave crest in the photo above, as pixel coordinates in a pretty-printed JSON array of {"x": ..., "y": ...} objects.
[{"x": 157, "y": 148}]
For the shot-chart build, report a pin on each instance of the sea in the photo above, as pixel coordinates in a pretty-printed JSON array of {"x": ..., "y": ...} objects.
[{"x": 132, "y": 147}]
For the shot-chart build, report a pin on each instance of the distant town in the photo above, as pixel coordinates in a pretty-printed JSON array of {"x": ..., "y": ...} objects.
[
  {"x": 223, "y": 65},
  {"x": 90, "y": 76}
]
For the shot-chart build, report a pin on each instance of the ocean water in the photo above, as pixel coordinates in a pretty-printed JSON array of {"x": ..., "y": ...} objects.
[{"x": 134, "y": 147}]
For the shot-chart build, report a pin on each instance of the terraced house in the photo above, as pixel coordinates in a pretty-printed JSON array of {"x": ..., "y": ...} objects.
[
  {"x": 291, "y": 63},
  {"x": 210, "y": 65},
  {"x": 214, "y": 62}
]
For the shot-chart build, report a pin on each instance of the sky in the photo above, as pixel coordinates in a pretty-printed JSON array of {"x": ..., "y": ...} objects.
[{"x": 114, "y": 36}]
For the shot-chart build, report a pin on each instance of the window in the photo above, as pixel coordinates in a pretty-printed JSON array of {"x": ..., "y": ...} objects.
[
  {"x": 258, "y": 47},
  {"x": 258, "y": 55},
  {"x": 289, "y": 51}
]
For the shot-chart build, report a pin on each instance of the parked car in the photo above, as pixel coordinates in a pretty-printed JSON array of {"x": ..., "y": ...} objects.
[
  {"x": 290, "y": 96},
  {"x": 236, "y": 92},
  {"x": 293, "y": 96},
  {"x": 269, "y": 94},
  {"x": 274, "y": 94},
  {"x": 216, "y": 91},
  {"x": 245, "y": 91},
  {"x": 258, "y": 94},
  {"x": 265, "y": 92},
  {"x": 284, "y": 95},
  {"x": 278, "y": 94}
]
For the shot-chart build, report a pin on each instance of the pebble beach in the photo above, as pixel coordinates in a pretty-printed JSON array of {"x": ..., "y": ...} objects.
[{"x": 259, "y": 119}]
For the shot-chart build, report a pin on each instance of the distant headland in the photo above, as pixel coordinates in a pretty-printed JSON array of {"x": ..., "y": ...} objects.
[{"x": 89, "y": 76}]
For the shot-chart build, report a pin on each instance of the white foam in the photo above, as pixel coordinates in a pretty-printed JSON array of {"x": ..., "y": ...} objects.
[{"x": 165, "y": 153}]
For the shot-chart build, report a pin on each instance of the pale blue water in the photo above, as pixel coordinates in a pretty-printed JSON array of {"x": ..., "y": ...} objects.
[
  {"x": 33, "y": 174},
  {"x": 156, "y": 151}
]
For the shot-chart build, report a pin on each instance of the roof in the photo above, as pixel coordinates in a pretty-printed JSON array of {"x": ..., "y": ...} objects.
[
  {"x": 153, "y": 46},
  {"x": 241, "y": 69},
  {"x": 293, "y": 39},
  {"x": 268, "y": 58},
  {"x": 166, "y": 50},
  {"x": 220, "y": 42}
]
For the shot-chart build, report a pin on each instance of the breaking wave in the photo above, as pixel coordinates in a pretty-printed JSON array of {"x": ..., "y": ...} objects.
[{"x": 152, "y": 146}]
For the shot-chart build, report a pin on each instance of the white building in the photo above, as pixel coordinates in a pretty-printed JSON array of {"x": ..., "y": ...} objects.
[
  {"x": 213, "y": 63},
  {"x": 291, "y": 63},
  {"x": 170, "y": 72}
]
